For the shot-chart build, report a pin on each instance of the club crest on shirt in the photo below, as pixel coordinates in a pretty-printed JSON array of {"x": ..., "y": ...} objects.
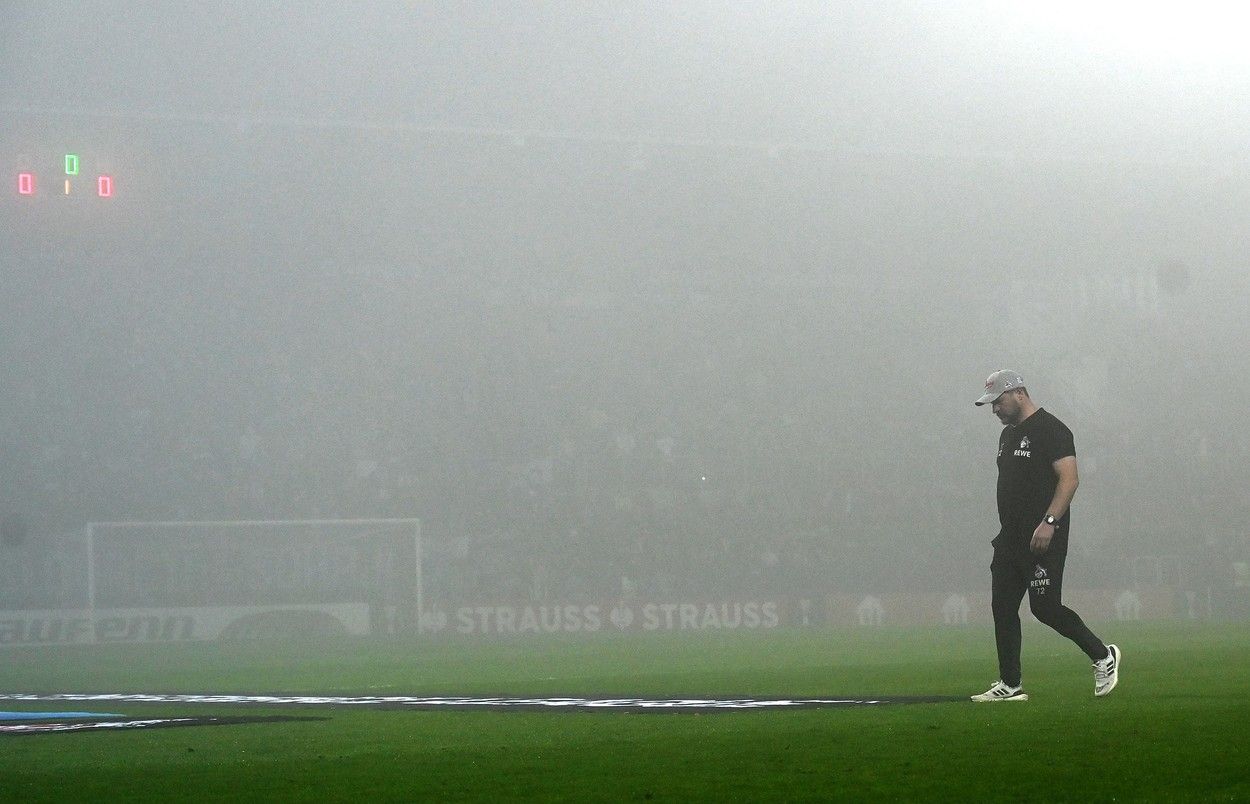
[{"x": 1024, "y": 451}]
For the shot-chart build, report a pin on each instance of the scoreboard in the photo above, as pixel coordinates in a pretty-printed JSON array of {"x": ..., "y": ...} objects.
[{"x": 73, "y": 176}]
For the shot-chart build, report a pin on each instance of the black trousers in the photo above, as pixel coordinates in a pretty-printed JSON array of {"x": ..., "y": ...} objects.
[{"x": 1015, "y": 571}]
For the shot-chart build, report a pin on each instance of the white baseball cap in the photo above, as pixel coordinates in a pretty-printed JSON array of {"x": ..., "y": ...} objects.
[{"x": 999, "y": 383}]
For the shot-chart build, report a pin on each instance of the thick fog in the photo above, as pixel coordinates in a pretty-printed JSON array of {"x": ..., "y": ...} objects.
[{"x": 672, "y": 299}]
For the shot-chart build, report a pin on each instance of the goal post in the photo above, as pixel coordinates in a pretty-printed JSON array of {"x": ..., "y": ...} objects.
[{"x": 256, "y": 565}]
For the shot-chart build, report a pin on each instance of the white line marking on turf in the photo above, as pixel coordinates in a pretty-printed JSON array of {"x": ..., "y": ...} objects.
[
  {"x": 450, "y": 702},
  {"x": 102, "y": 725}
]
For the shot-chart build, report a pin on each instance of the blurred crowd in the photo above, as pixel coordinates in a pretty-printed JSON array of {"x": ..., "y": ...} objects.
[{"x": 761, "y": 405}]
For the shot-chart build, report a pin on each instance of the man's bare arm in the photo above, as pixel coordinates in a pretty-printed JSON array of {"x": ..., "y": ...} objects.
[{"x": 1065, "y": 489}]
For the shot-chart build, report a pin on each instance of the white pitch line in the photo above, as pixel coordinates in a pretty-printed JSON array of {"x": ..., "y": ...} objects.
[{"x": 448, "y": 702}]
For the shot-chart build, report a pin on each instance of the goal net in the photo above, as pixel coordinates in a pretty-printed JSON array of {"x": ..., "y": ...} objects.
[{"x": 231, "y": 577}]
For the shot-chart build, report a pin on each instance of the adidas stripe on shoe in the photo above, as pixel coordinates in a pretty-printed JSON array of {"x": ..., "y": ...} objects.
[
  {"x": 1107, "y": 672},
  {"x": 999, "y": 691}
]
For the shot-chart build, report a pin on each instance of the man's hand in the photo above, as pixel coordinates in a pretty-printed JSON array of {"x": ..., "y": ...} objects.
[{"x": 1042, "y": 535}]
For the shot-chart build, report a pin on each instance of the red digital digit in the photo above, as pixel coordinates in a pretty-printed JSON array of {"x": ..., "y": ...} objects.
[
  {"x": 104, "y": 186},
  {"x": 26, "y": 183}
]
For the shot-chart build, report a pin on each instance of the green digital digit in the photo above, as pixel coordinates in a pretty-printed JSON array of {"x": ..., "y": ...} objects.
[{"x": 71, "y": 164}]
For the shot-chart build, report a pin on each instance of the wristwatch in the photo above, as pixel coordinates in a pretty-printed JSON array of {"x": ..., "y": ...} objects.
[{"x": 1049, "y": 519}]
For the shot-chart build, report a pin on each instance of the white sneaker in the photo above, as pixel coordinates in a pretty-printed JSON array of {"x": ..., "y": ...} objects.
[
  {"x": 1107, "y": 672},
  {"x": 999, "y": 691}
]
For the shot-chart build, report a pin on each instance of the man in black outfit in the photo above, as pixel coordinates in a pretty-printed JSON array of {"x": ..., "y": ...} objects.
[{"x": 1036, "y": 480}]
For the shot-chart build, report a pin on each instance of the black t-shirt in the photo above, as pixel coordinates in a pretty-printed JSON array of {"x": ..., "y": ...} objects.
[{"x": 1026, "y": 474}]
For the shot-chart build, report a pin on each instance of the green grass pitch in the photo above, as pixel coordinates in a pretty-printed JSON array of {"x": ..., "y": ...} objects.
[{"x": 1177, "y": 727}]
